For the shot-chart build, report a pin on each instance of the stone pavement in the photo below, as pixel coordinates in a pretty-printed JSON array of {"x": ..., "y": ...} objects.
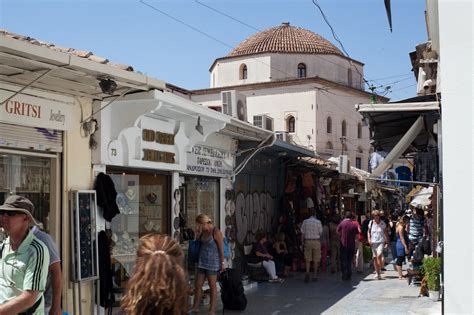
[{"x": 330, "y": 295}]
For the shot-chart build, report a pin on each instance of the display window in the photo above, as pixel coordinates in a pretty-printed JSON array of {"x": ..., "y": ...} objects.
[
  {"x": 144, "y": 203},
  {"x": 201, "y": 196},
  {"x": 36, "y": 177}
]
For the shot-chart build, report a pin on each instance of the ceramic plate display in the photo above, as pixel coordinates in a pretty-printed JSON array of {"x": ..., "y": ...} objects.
[
  {"x": 176, "y": 209},
  {"x": 131, "y": 194},
  {"x": 231, "y": 208},
  {"x": 152, "y": 197},
  {"x": 227, "y": 232},
  {"x": 176, "y": 235},
  {"x": 176, "y": 223},
  {"x": 228, "y": 220},
  {"x": 149, "y": 226}
]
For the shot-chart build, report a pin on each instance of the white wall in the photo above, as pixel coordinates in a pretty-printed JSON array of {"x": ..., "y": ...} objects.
[
  {"x": 456, "y": 51},
  {"x": 226, "y": 72},
  {"x": 310, "y": 107},
  {"x": 272, "y": 67}
]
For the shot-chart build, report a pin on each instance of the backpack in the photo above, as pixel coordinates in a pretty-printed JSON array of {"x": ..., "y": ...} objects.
[{"x": 232, "y": 290}]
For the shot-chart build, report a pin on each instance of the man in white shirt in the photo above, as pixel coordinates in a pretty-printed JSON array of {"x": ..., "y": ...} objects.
[{"x": 311, "y": 230}]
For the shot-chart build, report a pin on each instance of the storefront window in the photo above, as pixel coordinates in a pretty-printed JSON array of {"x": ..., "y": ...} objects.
[
  {"x": 143, "y": 201},
  {"x": 31, "y": 177},
  {"x": 202, "y": 196}
]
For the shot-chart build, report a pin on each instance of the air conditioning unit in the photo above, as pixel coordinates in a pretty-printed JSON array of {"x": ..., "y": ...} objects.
[
  {"x": 344, "y": 165},
  {"x": 263, "y": 121},
  {"x": 284, "y": 136},
  {"x": 234, "y": 104}
]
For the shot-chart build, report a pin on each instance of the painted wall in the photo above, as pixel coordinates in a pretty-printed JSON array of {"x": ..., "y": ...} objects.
[
  {"x": 257, "y": 189},
  {"x": 455, "y": 35},
  {"x": 77, "y": 175},
  {"x": 272, "y": 67}
]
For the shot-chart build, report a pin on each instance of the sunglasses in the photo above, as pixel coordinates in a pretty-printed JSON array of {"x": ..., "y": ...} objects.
[{"x": 9, "y": 213}]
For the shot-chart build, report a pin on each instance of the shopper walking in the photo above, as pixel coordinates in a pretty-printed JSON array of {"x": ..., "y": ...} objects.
[
  {"x": 21, "y": 291},
  {"x": 401, "y": 244},
  {"x": 334, "y": 243},
  {"x": 348, "y": 232},
  {"x": 378, "y": 240},
  {"x": 159, "y": 281},
  {"x": 311, "y": 230},
  {"x": 211, "y": 260}
]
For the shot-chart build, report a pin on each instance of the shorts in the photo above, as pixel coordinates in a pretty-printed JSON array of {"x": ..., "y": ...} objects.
[
  {"x": 377, "y": 249},
  {"x": 400, "y": 260},
  {"x": 207, "y": 272},
  {"x": 312, "y": 251}
]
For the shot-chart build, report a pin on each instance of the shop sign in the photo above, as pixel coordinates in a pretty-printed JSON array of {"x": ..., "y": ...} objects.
[
  {"x": 34, "y": 111},
  {"x": 204, "y": 160},
  {"x": 158, "y": 137}
]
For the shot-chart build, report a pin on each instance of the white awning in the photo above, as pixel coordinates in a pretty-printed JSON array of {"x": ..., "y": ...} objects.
[
  {"x": 397, "y": 107},
  {"x": 423, "y": 197}
]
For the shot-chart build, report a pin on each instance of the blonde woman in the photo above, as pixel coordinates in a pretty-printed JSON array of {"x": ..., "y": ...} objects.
[
  {"x": 211, "y": 260},
  {"x": 159, "y": 283},
  {"x": 402, "y": 244}
]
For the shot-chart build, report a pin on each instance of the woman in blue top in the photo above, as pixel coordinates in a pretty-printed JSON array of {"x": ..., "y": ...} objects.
[
  {"x": 211, "y": 260},
  {"x": 402, "y": 244}
]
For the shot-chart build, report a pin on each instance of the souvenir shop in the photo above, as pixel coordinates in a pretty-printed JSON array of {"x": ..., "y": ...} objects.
[{"x": 161, "y": 156}]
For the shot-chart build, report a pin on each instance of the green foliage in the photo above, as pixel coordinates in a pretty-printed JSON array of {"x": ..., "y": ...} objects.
[
  {"x": 432, "y": 269},
  {"x": 367, "y": 252}
]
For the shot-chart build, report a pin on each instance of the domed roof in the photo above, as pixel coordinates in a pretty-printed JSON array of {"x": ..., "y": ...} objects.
[{"x": 285, "y": 39}]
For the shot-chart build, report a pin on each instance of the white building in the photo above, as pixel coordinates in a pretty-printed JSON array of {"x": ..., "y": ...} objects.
[{"x": 291, "y": 80}]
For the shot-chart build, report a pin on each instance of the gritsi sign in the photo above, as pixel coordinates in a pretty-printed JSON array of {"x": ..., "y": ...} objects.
[{"x": 204, "y": 160}]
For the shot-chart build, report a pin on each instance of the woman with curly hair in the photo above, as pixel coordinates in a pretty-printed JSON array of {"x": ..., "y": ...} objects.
[{"x": 158, "y": 285}]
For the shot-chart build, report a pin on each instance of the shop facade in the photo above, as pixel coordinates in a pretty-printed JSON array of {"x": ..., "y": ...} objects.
[{"x": 167, "y": 164}]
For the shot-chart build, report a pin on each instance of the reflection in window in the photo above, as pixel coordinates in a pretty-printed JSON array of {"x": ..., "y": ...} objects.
[
  {"x": 344, "y": 128},
  {"x": 329, "y": 125},
  {"x": 301, "y": 70},
  {"x": 243, "y": 72},
  {"x": 290, "y": 124}
]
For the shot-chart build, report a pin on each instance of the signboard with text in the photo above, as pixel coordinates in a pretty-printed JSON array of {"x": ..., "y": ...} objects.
[
  {"x": 34, "y": 111},
  {"x": 208, "y": 161}
]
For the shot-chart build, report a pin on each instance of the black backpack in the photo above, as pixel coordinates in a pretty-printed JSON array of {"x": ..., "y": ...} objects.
[{"x": 232, "y": 291}]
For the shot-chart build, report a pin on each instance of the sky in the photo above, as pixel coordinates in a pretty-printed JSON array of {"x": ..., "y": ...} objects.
[{"x": 177, "y": 41}]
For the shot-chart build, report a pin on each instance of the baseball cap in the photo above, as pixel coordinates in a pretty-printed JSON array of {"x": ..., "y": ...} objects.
[{"x": 20, "y": 204}]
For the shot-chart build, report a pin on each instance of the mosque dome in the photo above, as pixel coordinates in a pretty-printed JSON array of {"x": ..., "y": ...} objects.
[{"x": 285, "y": 39}]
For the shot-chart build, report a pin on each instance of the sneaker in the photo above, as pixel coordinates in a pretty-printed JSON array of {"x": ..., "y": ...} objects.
[
  {"x": 306, "y": 278},
  {"x": 379, "y": 277}
]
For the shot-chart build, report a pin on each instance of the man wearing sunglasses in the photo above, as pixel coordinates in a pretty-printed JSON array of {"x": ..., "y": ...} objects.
[{"x": 23, "y": 262}]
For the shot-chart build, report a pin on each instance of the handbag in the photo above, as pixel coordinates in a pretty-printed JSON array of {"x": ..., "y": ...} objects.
[{"x": 193, "y": 251}]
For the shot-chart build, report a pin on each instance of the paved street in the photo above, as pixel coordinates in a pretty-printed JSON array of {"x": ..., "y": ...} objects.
[{"x": 363, "y": 295}]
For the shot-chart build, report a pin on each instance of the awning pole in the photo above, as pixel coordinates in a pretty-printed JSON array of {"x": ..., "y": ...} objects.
[
  {"x": 402, "y": 181},
  {"x": 400, "y": 147}
]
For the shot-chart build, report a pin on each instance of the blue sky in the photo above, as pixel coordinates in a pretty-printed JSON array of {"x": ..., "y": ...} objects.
[{"x": 130, "y": 32}]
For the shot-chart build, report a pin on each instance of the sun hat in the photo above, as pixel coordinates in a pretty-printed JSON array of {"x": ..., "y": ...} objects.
[{"x": 20, "y": 204}]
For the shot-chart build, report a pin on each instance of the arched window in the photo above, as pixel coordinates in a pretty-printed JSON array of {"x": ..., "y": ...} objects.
[
  {"x": 243, "y": 72},
  {"x": 349, "y": 76},
  {"x": 359, "y": 131},
  {"x": 329, "y": 125},
  {"x": 301, "y": 70},
  {"x": 329, "y": 145},
  {"x": 344, "y": 128},
  {"x": 290, "y": 124}
]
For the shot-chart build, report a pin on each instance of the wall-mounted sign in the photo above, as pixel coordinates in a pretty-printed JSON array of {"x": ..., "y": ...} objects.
[
  {"x": 158, "y": 156},
  {"x": 158, "y": 137},
  {"x": 34, "y": 111},
  {"x": 204, "y": 160}
]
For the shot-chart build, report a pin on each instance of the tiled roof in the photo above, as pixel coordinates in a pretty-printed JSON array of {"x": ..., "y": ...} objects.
[
  {"x": 79, "y": 53},
  {"x": 285, "y": 39}
]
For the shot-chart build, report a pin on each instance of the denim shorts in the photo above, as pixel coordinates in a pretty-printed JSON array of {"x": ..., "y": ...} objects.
[{"x": 207, "y": 272}]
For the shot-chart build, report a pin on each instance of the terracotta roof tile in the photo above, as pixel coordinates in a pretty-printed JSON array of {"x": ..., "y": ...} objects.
[
  {"x": 79, "y": 53},
  {"x": 285, "y": 39}
]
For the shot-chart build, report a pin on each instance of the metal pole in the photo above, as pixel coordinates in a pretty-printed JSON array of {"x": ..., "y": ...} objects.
[{"x": 402, "y": 181}]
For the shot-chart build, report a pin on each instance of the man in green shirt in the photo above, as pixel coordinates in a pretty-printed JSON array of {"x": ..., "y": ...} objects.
[{"x": 23, "y": 262}]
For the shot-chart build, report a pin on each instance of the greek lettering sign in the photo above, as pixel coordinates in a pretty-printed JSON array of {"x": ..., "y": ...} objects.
[
  {"x": 34, "y": 111},
  {"x": 204, "y": 160}
]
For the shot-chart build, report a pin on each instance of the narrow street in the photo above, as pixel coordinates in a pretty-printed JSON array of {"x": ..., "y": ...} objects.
[{"x": 330, "y": 295}]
